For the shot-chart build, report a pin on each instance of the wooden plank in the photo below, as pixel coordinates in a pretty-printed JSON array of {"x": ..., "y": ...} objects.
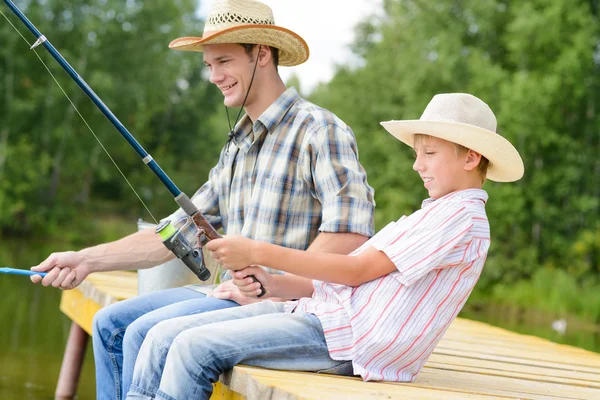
[
  {"x": 513, "y": 360},
  {"x": 502, "y": 386},
  {"x": 588, "y": 362},
  {"x": 262, "y": 384},
  {"x": 515, "y": 374},
  {"x": 79, "y": 308},
  {"x": 503, "y": 368},
  {"x": 473, "y": 360},
  {"x": 97, "y": 291},
  {"x": 222, "y": 392}
]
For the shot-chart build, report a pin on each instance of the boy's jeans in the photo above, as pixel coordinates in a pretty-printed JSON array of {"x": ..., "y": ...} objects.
[
  {"x": 181, "y": 358},
  {"x": 120, "y": 329}
]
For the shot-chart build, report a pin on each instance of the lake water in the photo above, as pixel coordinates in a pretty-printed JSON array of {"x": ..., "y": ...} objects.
[{"x": 34, "y": 331}]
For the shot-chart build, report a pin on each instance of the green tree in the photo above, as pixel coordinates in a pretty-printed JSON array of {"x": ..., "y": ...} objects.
[
  {"x": 537, "y": 64},
  {"x": 51, "y": 166}
]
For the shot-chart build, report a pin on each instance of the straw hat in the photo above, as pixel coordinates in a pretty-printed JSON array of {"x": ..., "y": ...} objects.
[
  {"x": 466, "y": 120},
  {"x": 246, "y": 21}
]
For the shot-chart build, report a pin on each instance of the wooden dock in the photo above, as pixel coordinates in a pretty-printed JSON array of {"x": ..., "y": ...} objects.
[{"x": 473, "y": 361}]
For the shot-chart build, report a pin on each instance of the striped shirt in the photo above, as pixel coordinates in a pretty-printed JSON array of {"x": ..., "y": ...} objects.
[
  {"x": 389, "y": 326},
  {"x": 290, "y": 175}
]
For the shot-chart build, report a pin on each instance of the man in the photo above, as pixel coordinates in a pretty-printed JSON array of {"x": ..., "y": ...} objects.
[{"x": 288, "y": 175}]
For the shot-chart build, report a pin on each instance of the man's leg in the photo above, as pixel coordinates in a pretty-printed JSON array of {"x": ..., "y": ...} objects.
[
  {"x": 109, "y": 327},
  {"x": 259, "y": 334},
  {"x": 137, "y": 330}
]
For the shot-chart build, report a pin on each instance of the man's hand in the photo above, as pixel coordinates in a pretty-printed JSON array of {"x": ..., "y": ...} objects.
[
  {"x": 66, "y": 270},
  {"x": 229, "y": 291},
  {"x": 232, "y": 252}
]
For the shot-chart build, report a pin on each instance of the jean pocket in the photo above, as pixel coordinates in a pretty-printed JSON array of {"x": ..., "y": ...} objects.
[{"x": 344, "y": 368}]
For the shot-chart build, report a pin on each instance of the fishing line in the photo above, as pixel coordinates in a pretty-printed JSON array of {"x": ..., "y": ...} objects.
[{"x": 82, "y": 118}]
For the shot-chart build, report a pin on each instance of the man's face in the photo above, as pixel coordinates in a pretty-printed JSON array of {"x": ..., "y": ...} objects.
[
  {"x": 442, "y": 170},
  {"x": 230, "y": 70}
]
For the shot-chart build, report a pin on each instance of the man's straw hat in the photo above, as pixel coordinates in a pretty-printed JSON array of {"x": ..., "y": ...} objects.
[
  {"x": 246, "y": 21},
  {"x": 466, "y": 120}
]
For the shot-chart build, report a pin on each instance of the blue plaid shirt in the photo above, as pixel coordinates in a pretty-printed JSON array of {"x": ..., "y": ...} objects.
[{"x": 287, "y": 177}]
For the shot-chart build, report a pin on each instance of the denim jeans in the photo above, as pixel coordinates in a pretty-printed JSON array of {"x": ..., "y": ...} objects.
[
  {"x": 120, "y": 329},
  {"x": 182, "y": 358}
]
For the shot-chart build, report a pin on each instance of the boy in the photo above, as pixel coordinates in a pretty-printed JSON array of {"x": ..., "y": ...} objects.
[{"x": 377, "y": 313}]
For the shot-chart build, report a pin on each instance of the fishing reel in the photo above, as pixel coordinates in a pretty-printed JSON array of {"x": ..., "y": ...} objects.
[{"x": 174, "y": 239}]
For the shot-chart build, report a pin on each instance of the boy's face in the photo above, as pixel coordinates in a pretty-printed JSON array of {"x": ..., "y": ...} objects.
[
  {"x": 442, "y": 170},
  {"x": 231, "y": 71}
]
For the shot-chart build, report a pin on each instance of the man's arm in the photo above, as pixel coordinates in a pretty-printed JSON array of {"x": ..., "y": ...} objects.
[
  {"x": 338, "y": 243},
  {"x": 143, "y": 249}
]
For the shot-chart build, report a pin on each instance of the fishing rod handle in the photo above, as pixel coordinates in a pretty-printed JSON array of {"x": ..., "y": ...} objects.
[{"x": 15, "y": 271}]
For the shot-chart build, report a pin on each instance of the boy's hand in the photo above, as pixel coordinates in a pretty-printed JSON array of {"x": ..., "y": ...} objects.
[
  {"x": 232, "y": 252},
  {"x": 250, "y": 288}
]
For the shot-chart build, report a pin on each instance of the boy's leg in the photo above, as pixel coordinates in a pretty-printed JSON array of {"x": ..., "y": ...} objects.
[
  {"x": 108, "y": 330},
  {"x": 259, "y": 334},
  {"x": 137, "y": 330}
]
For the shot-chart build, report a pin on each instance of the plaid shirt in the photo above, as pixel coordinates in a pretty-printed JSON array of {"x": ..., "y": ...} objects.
[{"x": 291, "y": 174}]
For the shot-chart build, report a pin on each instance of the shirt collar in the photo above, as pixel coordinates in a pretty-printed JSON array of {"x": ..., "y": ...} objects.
[
  {"x": 245, "y": 133},
  {"x": 467, "y": 194}
]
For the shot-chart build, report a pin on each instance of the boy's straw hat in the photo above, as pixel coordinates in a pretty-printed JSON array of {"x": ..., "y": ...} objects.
[
  {"x": 246, "y": 21},
  {"x": 466, "y": 120}
]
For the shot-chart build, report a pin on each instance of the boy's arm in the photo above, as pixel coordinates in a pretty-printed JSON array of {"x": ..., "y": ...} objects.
[{"x": 237, "y": 252}]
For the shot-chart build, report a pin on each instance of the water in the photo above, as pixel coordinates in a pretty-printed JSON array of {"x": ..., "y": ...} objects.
[{"x": 34, "y": 332}]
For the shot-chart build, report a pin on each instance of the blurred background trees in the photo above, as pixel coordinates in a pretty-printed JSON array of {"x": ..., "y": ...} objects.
[{"x": 535, "y": 62}]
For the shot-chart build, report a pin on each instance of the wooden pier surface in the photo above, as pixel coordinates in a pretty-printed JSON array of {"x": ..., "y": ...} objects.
[{"x": 473, "y": 361}]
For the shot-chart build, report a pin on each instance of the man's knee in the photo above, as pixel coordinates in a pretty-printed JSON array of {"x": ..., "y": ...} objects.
[{"x": 103, "y": 321}]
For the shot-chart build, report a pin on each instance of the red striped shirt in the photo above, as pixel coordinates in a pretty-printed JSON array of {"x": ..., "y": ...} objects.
[{"x": 388, "y": 327}]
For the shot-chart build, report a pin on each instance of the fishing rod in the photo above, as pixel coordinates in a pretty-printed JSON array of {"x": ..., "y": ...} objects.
[
  {"x": 174, "y": 239},
  {"x": 15, "y": 271}
]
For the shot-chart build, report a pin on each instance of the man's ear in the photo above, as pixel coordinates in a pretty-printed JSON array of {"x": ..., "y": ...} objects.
[
  {"x": 472, "y": 161},
  {"x": 264, "y": 55}
]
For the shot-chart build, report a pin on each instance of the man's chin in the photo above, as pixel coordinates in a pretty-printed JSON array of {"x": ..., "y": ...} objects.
[{"x": 232, "y": 103}]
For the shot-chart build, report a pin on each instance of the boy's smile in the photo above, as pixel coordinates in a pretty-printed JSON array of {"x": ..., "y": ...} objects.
[{"x": 440, "y": 167}]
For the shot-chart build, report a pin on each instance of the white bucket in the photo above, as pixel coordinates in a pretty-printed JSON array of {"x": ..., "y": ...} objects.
[{"x": 173, "y": 273}]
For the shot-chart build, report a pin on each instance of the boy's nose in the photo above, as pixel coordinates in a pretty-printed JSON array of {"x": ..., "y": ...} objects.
[{"x": 418, "y": 165}]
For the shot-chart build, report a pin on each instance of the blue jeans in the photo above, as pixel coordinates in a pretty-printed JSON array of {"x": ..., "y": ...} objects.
[
  {"x": 182, "y": 358},
  {"x": 120, "y": 329}
]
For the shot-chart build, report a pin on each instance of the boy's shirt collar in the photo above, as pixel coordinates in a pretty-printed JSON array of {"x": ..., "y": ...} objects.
[{"x": 467, "y": 194}]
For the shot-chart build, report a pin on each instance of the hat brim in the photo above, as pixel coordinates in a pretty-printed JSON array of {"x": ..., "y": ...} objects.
[
  {"x": 506, "y": 164},
  {"x": 293, "y": 50}
]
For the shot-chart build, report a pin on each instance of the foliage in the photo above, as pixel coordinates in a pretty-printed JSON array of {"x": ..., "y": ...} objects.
[
  {"x": 51, "y": 166},
  {"x": 535, "y": 62},
  {"x": 544, "y": 85}
]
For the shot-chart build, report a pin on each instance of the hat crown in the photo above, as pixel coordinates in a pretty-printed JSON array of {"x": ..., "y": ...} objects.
[
  {"x": 462, "y": 108},
  {"x": 226, "y": 14}
]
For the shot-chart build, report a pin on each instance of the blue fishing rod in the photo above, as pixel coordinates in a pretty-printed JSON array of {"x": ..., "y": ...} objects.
[
  {"x": 173, "y": 238},
  {"x": 15, "y": 271}
]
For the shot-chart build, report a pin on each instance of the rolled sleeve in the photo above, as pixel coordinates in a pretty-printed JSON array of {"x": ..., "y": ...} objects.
[
  {"x": 206, "y": 199},
  {"x": 340, "y": 182}
]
